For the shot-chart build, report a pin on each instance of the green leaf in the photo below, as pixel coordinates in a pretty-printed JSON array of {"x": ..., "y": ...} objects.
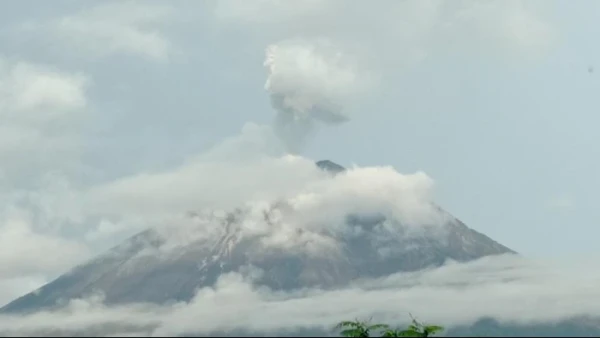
[
  {"x": 431, "y": 329},
  {"x": 410, "y": 333},
  {"x": 391, "y": 333},
  {"x": 348, "y": 324},
  {"x": 378, "y": 327},
  {"x": 358, "y": 328},
  {"x": 351, "y": 333}
]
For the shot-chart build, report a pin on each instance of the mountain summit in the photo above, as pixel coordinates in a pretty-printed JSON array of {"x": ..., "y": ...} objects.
[
  {"x": 329, "y": 166},
  {"x": 153, "y": 267}
]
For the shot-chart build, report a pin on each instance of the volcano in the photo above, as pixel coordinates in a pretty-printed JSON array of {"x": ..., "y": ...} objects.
[
  {"x": 169, "y": 265},
  {"x": 148, "y": 268}
]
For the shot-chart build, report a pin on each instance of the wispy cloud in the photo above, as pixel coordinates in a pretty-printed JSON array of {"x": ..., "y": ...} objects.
[
  {"x": 37, "y": 93},
  {"x": 39, "y": 109},
  {"x": 111, "y": 28}
]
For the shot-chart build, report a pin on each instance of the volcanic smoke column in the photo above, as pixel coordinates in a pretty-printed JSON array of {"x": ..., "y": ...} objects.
[{"x": 308, "y": 84}]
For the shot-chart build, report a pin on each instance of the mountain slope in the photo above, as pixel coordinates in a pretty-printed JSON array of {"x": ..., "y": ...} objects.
[{"x": 149, "y": 268}]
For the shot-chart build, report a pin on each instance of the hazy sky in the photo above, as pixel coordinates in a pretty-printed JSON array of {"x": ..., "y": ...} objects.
[{"x": 495, "y": 101}]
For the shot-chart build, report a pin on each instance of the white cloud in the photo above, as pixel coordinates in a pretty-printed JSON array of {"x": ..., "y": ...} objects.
[
  {"x": 310, "y": 72},
  {"x": 24, "y": 251},
  {"x": 34, "y": 88},
  {"x": 32, "y": 251},
  {"x": 34, "y": 93},
  {"x": 511, "y": 23},
  {"x": 267, "y": 10},
  {"x": 112, "y": 28},
  {"x": 398, "y": 33},
  {"x": 214, "y": 181},
  {"x": 487, "y": 287},
  {"x": 310, "y": 83},
  {"x": 39, "y": 110},
  {"x": 226, "y": 176}
]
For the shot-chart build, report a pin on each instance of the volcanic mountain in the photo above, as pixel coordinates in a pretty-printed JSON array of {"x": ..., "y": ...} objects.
[{"x": 150, "y": 268}]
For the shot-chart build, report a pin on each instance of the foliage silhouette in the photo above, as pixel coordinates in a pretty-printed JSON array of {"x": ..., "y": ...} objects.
[{"x": 359, "y": 328}]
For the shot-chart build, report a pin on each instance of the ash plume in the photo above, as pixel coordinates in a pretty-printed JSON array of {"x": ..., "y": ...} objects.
[{"x": 308, "y": 84}]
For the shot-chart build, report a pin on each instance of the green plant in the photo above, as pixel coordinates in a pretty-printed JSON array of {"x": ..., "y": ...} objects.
[
  {"x": 364, "y": 329},
  {"x": 358, "y": 328}
]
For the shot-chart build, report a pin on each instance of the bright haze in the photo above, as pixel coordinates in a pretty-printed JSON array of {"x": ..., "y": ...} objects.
[{"x": 119, "y": 116}]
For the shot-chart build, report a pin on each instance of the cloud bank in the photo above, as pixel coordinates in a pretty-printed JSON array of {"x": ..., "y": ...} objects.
[{"x": 452, "y": 295}]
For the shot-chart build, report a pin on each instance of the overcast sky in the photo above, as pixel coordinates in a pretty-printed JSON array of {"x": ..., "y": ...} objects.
[{"x": 497, "y": 102}]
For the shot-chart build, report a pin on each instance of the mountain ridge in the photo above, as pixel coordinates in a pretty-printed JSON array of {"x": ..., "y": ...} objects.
[{"x": 137, "y": 269}]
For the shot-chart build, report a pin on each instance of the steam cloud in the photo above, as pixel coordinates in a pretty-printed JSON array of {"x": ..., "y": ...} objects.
[{"x": 308, "y": 84}]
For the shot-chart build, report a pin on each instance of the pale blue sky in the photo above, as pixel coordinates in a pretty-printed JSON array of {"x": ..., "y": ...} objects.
[{"x": 501, "y": 113}]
